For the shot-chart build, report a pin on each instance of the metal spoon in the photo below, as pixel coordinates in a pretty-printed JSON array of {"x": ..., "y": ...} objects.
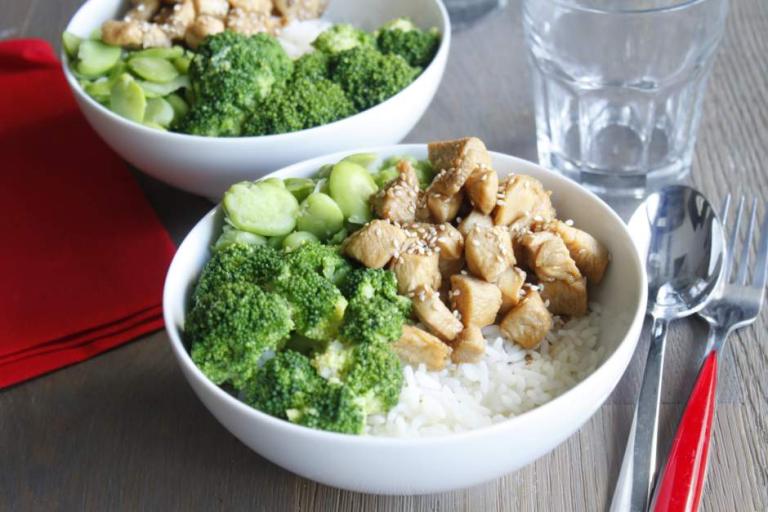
[{"x": 680, "y": 234}]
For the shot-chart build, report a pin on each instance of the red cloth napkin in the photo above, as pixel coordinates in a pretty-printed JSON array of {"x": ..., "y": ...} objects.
[{"x": 82, "y": 254}]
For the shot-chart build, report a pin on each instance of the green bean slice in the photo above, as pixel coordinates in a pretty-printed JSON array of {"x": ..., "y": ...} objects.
[
  {"x": 384, "y": 176},
  {"x": 277, "y": 182},
  {"x": 182, "y": 64},
  {"x": 261, "y": 208},
  {"x": 100, "y": 90},
  {"x": 276, "y": 242},
  {"x": 298, "y": 238},
  {"x": 179, "y": 105},
  {"x": 363, "y": 159},
  {"x": 351, "y": 186},
  {"x": 339, "y": 237},
  {"x": 159, "y": 53},
  {"x": 320, "y": 215},
  {"x": 153, "y": 90},
  {"x": 96, "y": 58},
  {"x": 71, "y": 44},
  {"x": 230, "y": 236},
  {"x": 159, "y": 111},
  {"x": 299, "y": 187},
  {"x": 127, "y": 99},
  {"x": 154, "y": 69}
]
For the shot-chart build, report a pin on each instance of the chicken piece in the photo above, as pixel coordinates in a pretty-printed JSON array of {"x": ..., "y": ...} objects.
[
  {"x": 134, "y": 34},
  {"x": 175, "y": 19},
  {"x": 252, "y": 22},
  {"x": 301, "y": 9},
  {"x": 450, "y": 245},
  {"x": 375, "y": 244},
  {"x": 260, "y": 6},
  {"x": 397, "y": 201},
  {"x": 566, "y": 298},
  {"x": 422, "y": 210},
  {"x": 455, "y": 161},
  {"x": 591, "y": 256},
  {"x": 417, "y": 346},
  {"x": 546, "y": 254},
  {"x": 469, "y": 346},
  {"x": 202, "y": 27},
  {"x": 523, "y": 200},
  {"x": 215, "y": 8},
  {"x": 527, "y": 323},
  {"x": 443, "y": 208},
  {"x": 415, "y": 269},
  {"x": 475, "y": 218},
  {"x": 482, "y": 188},
  {"x": 142, "y": 10},
  {"x": 510, "y": 282},
  {"x": 488, "y": 252},
  {"x": 477, "y": 302},
  {"x": 432, "y": 312}
]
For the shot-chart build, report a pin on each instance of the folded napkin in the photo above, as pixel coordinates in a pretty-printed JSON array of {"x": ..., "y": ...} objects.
[{"x": 82, "y": 254}]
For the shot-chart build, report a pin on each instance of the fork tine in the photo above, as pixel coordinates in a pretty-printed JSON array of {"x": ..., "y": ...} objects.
[
  {"x": 724, "y": 210},
  {"x": 732, "y": 242},
  {"x": 761, "y": 260},
  {"x": 744, "y": 260}
]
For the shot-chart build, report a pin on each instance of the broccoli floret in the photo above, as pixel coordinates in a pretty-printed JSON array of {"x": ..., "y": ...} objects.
[
  {"x": 403, "y": 38},
  {"x": 302, "y": 104},
  {"x": 318, "y": 306},
  {"x": 311, "y": 66},
  {"x": 239, "y": 263},
  {"x": 324, "y": 259},
  {"x": 370, "y": 77},
  {"x": 375, "y": 320},
  {"x": 229, "y": 75},
  {"x": 365, "y": 283},
  {"x": 232, "y": 326},
  {"x": 342, "y": 37}
]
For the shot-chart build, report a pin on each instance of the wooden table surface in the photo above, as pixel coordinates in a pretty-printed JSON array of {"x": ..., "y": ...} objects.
[{"x": 124, "y": 431}]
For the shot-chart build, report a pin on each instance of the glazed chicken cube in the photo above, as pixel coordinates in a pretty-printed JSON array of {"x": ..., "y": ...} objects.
[
  {"x": 443, "y": 208},
  {"x": 445, "y": 240},
  {"x": 566, "y": 298},
  {"x": 142, "y": 10},
  {"x": 374, "y": 244},
  {"x": 527, "y": 323},
  {"x": 397, "y": 201},
  {"x": 546, "y": 254},
  {"x": 469, "y": 346},
  {"x": 482, "y": 188},
  {"x": 477, "y": 302},
  {"x": 175, "y": 19},
  {"x": 523, "y": 200},
  {"x": 134, "y": 34},
  {"x": 202, "y": 27},
  {"x": 260, "y": 6},
  {"x": 455, "y": 161},
  {"x": 510, "y": 282},
  {"x": 252, "y": 22},
  {"x": 415, "y": 269},
  {"x": 301, "y": 9},
  {"x": 422, "y": 210},
  {"x": 591, "y": 256},
  {"x": 475, "y": 218},
  {"x": 488, "y": 252},
  {"x": 417, "y": 346},
  {"x": 432, "y": 312},
  {"x": 215, "y": 8}
]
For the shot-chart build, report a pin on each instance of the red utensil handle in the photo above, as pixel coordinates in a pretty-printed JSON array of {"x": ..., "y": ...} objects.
[{"x": 680, "y": 486}]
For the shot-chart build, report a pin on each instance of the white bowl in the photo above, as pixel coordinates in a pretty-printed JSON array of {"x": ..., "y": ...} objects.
[
  {"x": 426, "y": 465},
  {"x": 209, "y": 165}
]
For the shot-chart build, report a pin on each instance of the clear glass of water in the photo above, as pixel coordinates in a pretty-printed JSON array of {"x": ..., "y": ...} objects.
[{"x": 618, "y": 86}]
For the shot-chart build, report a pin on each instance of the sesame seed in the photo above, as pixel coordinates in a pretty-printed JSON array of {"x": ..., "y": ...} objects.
[{"x": 569, "y": 222}]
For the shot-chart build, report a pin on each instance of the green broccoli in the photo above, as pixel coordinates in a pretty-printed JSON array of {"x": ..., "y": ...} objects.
[
  {"x": 370, "y": 77},
  {"x": 376, "y": 320},
  {"x": 365, "y": 283},
  {"x": 230, "y": 74},
  {"x": 403, "y": 38},
  {"x": 231, "y": 327},
  {"x": 318, "y": 306},
  {"x": 311, "y": 66},
  {"x": 239, "y": 263},
  {"x": 342, "y": 37},
  {"x": 324, "y": 259},
  {"x": 302, "y": 104}
]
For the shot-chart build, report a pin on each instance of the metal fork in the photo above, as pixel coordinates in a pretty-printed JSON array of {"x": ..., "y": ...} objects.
[{"x": 735, "y": 305}]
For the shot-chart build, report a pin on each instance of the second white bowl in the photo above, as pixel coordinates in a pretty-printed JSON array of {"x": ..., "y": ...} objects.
[{"x": 207, "y": 166}]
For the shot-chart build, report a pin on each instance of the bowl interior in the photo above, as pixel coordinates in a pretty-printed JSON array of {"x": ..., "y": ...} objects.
[{"x": 621, "y": 295}]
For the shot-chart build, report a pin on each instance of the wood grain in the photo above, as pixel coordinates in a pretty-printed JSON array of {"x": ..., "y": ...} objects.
[{"x": 125, "y": 432}]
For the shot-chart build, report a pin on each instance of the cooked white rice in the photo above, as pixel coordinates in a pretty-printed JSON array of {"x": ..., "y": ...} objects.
[
  {"x": 508, "y": 381},
  {"x": 296, "y": 37}
]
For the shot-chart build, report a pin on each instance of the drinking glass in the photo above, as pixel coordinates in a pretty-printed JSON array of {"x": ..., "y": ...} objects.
[{"x": 618, "y": 86}]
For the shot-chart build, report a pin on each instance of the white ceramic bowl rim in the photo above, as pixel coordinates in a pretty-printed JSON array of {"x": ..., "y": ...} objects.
[
  {"x": 445, "y": 41},
  {"x": 321, "y": 435}
]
